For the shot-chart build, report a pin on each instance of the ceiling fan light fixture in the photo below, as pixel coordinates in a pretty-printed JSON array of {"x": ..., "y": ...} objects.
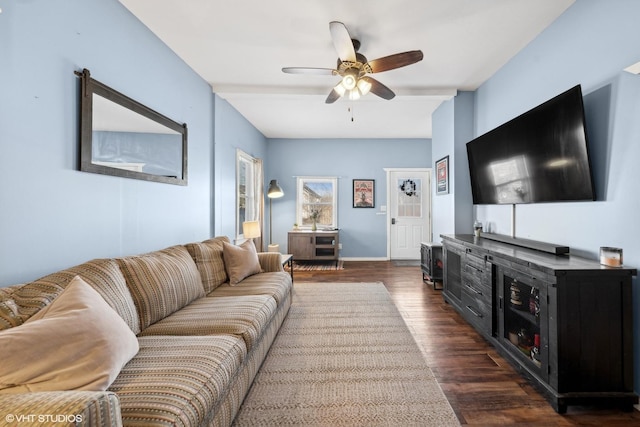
[
  {"x": 364, "y": 87},
  {"x": 354, "y": 67},
  {"x": 349, "y": 81}
]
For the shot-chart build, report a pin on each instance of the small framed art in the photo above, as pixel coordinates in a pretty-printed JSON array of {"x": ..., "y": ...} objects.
[
  {"x": 363, "y": 193},
  {"x": 442, "y": 176}
]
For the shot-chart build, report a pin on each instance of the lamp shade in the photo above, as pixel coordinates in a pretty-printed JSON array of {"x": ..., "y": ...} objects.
[
  {"x": 274, "y": 190},
  {"x": 251, "y": 229}
]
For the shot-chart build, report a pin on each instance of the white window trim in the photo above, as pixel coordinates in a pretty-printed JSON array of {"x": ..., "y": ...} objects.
[
  {"x": 252, "y": 192},
  {"x": 299, "y": 199}
]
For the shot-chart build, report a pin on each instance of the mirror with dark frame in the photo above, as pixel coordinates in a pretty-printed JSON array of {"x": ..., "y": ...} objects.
[{"x": 121, "y": 137}]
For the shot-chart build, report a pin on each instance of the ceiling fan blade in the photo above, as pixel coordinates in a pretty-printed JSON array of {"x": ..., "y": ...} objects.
[
  {"x": 342, "y": 41},
  {"x": 395, "y": 61},
  {"x": 333, "y": 97},
  {"x": 378, "y": 88},
  {"x": 309, "y": 70}
]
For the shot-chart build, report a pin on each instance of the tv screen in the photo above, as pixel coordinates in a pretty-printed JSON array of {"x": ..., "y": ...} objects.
[{"x": 540, "y": 156}]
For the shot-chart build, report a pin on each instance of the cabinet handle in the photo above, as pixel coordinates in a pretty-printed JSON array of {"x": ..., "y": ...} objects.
[
  {"x": 474, "y": 290},
  {"x": 474, "y": 268},
  {"x": 474, "y": 312}
]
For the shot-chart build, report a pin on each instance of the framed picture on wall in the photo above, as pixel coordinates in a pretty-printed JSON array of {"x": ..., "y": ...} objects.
[
  {"x": 363, "y": 193},
  {"x": 442, "y": 176}
]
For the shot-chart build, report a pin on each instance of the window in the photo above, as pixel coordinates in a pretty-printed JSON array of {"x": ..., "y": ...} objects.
[
  {"x": 317, "y": 194},
  {"x": 410, "y": 197},
  {"x": 249, "y": 190}
]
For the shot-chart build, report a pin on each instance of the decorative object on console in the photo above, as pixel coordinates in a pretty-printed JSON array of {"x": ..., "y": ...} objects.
[
  {"x": 477, "y": 228},
  {"x": 274, "y": 192},
  {"x": 442, "y": 176},
  {"x": 611, "y": 257},
  {"x": 363, "y": 193},
  {"x": 314, "y": 216}
]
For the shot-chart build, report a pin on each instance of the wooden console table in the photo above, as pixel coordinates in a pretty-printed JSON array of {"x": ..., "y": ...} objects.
[
  {"x": 564, "y": 322},
  {"x": 314, "y": 245}
]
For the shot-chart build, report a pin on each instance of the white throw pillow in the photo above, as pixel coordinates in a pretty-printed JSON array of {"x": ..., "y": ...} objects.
[{"x": 78, "y": 342}]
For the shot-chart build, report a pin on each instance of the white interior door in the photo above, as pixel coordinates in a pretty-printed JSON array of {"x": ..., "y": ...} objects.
[{"x": 409, "y": 211}]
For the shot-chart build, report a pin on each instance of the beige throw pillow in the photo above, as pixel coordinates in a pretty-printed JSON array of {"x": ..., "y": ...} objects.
[
  {"x": 240, "y": 261},
  {"x": 78, "y": 342},
  {"x": 210, "y": 262}
]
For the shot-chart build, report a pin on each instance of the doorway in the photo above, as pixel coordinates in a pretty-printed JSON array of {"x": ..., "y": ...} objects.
[{"x": 409, "y": 212}]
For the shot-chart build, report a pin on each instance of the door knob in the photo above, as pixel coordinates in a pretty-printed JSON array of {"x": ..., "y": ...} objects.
[{"x": 393, "y": 221}]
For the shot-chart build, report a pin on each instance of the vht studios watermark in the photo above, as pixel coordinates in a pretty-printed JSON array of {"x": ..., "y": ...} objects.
[{"x": 50, "y": 419}]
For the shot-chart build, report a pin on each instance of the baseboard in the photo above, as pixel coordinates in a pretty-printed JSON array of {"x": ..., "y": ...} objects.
[{"x": 363, "y": 259}]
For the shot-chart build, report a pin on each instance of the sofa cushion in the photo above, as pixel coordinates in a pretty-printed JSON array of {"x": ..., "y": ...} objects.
[
  {"x": 20, "y": 302},
  {"x": 89, "y": 408},
  {"x": 245, "y": 316},
  {"x": 270, "y": 261},
  {"x": 277, "y": 285},
  {"x": 240, "y": 261},
  {"x": 78, "y": 342},
  {"x": 210, "y": 262},
  {"x": 105, "y": 277},
  {"x": 161, "y": 282},
  {"x": 178, "y": 380}
]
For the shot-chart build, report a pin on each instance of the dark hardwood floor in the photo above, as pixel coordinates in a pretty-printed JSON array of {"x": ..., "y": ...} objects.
[{"x": 483, "y": 389}]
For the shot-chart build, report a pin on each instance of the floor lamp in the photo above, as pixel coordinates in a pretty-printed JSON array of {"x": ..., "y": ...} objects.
[{"x": 274, "y": 192}]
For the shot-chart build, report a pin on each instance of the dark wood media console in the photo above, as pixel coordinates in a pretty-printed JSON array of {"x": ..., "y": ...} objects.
[{"x": 564, "y": 322}]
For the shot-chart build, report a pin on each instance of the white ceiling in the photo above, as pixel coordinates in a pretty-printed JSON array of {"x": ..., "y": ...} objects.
[{"x": 240, "y": 47}]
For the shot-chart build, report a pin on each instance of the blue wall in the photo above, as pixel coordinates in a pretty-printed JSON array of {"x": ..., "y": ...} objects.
[
  {"x": 589, "y": 44},
  {"x": 443, "y": 140},
  {"x": 232, "y": 132},
  {"x": 51, "y": 215},
  {"x": 363, "y": 232},
  {"x": 452, "y": 129}
]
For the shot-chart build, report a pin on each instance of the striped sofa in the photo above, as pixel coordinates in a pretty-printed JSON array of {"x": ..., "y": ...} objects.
[{"x": 201, "y": 338}]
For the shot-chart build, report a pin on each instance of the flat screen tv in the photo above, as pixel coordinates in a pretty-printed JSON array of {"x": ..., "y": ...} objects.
[{"x": 540, "y": 156}]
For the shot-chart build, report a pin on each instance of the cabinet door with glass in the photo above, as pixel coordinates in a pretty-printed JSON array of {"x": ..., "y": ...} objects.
[{"x": 523, "y": 327}]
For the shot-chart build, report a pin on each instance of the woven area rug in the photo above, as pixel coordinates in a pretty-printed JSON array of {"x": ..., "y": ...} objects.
[
  {"x": 316, "y": 266},
  {"x": 344, "y": 357}
]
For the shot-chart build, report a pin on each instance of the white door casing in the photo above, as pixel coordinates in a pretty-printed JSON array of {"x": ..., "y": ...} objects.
[{"x": 409, "y": 212}]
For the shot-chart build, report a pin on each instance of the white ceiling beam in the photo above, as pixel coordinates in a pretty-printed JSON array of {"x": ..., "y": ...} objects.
[{"x": 226, "y": 91}]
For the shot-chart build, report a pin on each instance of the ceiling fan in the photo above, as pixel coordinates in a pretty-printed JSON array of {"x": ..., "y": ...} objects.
[{"x": 353, "y": 67}]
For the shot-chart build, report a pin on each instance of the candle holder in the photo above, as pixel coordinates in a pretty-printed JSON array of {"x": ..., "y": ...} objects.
[{"x": 611, "y": 257}]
